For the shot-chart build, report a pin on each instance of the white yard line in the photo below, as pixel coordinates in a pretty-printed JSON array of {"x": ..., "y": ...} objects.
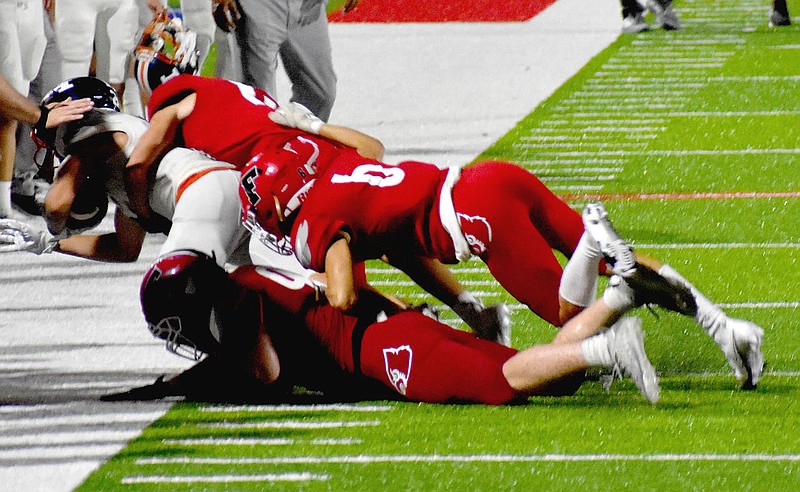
[{"x": 473, "y": 458}]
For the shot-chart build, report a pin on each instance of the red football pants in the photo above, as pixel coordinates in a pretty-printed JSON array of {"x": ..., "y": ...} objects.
[
  {"x": 527, "y": 223},
  {"x": 427, "y": 361}
]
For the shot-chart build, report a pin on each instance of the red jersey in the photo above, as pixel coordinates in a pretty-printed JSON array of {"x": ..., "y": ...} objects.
[
  {"x": 230, "y": 121},
  {"x": 384, "y": 209}
]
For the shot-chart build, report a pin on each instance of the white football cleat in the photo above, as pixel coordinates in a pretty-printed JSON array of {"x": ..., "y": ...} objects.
[
  {"x": 740, "y": 340},
  {"x": 618, "y": 254},
  {"x": 626, "y": 345}
]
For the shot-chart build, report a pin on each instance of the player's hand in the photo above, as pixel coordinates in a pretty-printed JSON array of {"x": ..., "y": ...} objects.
[
  {"x": 62, "y": 112},
  {"x": 226, "y": 14},
  {"x": 20, "y": 236},
  {"x": 295, "y": 115},
  {"x": 187, "y": 52}
]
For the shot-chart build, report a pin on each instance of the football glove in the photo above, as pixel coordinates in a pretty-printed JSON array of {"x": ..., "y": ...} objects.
[
  {"x": 489, "y": 323},
  {"x": 295, "y": 115},
  {"x": 20, "y": 236}
]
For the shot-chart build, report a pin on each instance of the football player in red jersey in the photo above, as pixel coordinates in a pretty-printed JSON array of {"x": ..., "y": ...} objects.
[
  {"x": 238, "y": 319},
  {"x": 233, "y": 122},
  {"x": 355, "y": 209}
]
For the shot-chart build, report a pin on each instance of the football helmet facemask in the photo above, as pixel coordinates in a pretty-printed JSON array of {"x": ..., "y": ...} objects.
[
  {"x": 184, "y": 295},
  {"x": 166, "y": 50},
  {"x": 273, "y": 186}
]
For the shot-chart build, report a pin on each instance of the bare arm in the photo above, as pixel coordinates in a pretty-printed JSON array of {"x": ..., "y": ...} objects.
[
  {"x": 156, "y": 141},
  {"x": 60, "y": 197},
  {"x": 15, "y": 106},
  {"x": 433, "y": 276},
  {"x": 341, "y": 291},
  {"x": 123, "y": 245},
  {"x": 365, "y": 145}
]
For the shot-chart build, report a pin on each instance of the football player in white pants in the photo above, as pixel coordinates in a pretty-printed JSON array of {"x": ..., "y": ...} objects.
[
  {"x": 85, "y": 26},
  {"x": 22, "y": 43},
  {"x": 199, "y": 195}
]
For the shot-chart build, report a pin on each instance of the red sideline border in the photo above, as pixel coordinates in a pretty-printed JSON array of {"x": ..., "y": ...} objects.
[{"x": 394, "y": 11}]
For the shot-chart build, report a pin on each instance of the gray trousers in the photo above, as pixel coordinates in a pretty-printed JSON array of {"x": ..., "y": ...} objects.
[{"x": 297, "y": 31}]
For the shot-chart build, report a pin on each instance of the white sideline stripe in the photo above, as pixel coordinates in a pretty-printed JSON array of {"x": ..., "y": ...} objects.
[
  {"x": 475, "y": 458},
  {"x": 92, "y": 419},
  {"x": 61, "y": 452},
  {"x": 269, "y": 477},
  {"x": 290, "y": 424},
  {"x": 212, "y": 441},
  {"x": 67, "y": 438},
  {"x": 297, "y": 408},
  {"x": 670, "y": 153}
]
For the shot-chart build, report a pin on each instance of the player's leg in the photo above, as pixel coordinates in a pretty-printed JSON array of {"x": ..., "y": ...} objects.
[
  {"x": 121, "y": 27},
  {"x": 427, "y": 361},
  {"x": 260, "y": 33},
  {"x": 206, "y": 217},
  {"x": 197, "y": 16},
  {"x": 740, "y": 340},
  {"x": 307, "y": 58},
  {"x": 75, "y": 24},
  {"x": 26, "y": 167},
  {"x": 518, "y": 222},
  {"x": 583, "y": 343},
  {"x": 22, "y": 43}
]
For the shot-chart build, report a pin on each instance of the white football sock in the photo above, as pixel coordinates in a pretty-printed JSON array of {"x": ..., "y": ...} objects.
[
  {"x": 5, "y": 198},
  {"x": 709, "y": 315},
  {"x": 596, "y": 350},
  {"x": 579, "y": 280},
  {"x": 618, "y": 296}
]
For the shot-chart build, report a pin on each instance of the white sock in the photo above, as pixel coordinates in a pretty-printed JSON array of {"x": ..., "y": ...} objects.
[
  {"x": 579, "y": 280},
  {"x": 709, "y": 314},
  {"x": 5, "y": 198},
  {"x": 596, "y": 351},
  {"x": 618, "y": 296}
]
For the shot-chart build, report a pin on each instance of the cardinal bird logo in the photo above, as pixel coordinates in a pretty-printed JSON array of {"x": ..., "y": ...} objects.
[{"x": 397, "y": 361}]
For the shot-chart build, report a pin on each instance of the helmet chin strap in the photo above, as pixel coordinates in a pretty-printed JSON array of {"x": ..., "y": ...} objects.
[{"x": 281, "y": 217}]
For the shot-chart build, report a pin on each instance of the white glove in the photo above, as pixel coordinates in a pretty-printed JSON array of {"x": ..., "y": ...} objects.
[
  {"x": 295, "y": 115},
  {"x": 187, "y": 52},
  {"x": 740, "y": 341},
  {"x": 20, "y": 236}
]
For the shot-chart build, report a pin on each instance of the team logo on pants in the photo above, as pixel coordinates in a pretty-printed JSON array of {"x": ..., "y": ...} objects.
[
  {"x": 478, "y": 232},
  {"x": 397, "y": 361}
]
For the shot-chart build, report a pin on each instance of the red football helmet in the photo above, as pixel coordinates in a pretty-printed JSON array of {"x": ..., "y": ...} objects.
[
  {"x": 184, "y": 297},
  {"x": 273, "y": 187}
]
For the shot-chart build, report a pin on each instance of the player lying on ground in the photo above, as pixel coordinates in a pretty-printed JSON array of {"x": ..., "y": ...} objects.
[
  {"x": 190, "y": 111},
  {"x": 350, "y": 208},
  {"x": 195, "y": 197},
  {"x": 194, "y": 305}
]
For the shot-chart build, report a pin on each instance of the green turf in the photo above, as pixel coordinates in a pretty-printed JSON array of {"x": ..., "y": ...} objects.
[{"x": 713, "y": 108}]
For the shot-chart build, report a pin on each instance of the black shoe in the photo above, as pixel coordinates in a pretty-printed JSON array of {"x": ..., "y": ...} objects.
[
  {"x": 27, "y": 203},
  {"x": 650, "y": 287},
  {"x": 779, "y": 16}
]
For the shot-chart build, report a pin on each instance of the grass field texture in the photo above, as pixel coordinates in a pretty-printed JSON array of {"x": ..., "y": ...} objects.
[{"x": 691, "y": 140}]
